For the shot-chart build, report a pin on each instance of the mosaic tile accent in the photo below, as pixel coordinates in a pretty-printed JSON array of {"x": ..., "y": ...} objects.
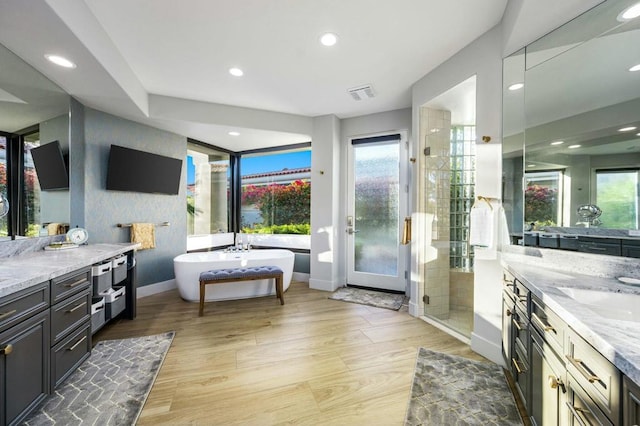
[
  {"x": 378, "y": 299},
  {"x": 110, "y": 387},
  {"x": 451, "y": 390}
]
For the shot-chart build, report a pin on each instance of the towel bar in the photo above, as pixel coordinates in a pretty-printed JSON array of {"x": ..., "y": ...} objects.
[{"x": 128, "y": 225}]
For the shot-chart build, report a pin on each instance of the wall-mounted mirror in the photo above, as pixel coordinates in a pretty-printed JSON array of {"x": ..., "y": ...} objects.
[
  {"x": 581, "y": 127},
  {"x": 33, "y": 112}
]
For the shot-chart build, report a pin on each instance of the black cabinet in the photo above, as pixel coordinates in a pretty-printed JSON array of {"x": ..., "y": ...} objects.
[
  {"x": 24, "y": 367},
  {"x": 70, "y": 342},
  {"x": 609, "y": 246},
  {"x": 631, "y": 402},
  {"x": 631, "y": 248}
]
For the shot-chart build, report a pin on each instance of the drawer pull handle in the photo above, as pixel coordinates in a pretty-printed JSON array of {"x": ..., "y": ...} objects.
[
  {"x": 516, "y": 324},
  {"x": 575, "y": 413},
  {"x": 7, "y": 349},
  {"x": 586, "y": 373},
  {"x": 507, "y": 282},
  {"x": 75, "y": 308},
  {"x": 517, "y": 366},
  {"x": 75, "y": 283},
  {"x": 542, "y": 325},
  {"x": 7, "y": 314},
  {"x": 77, "y": 343}
]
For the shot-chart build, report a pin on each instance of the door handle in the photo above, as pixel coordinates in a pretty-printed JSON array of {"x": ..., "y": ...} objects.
[{"x": 351, "y": 231}]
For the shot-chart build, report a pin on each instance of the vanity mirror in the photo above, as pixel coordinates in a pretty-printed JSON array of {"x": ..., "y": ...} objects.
[
  {"x": 33, "y": 112},
  {"x": 572, "y": 131}
]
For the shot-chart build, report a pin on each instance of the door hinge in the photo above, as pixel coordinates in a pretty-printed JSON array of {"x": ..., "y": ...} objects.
[
  {"x": 425, "y": 299},
  {"x": 406, "y": 274}
]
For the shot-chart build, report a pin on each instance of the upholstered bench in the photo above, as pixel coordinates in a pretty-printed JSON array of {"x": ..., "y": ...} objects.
[{"x": 228, "y": 275}]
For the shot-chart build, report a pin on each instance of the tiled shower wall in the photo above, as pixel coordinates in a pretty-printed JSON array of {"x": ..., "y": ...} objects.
[{"x": 435, "y": 194}]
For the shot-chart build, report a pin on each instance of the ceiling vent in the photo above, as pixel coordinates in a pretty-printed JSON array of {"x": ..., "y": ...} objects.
[{"x": 361, "y": 92}]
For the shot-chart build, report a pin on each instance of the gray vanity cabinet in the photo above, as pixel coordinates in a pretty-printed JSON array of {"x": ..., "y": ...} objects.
[
  {"x": 70, "y": 323},
  {"x": 24, "y": 352},
  {"x": 631, "y": 402},
  {"x": 548, "y": 389}
]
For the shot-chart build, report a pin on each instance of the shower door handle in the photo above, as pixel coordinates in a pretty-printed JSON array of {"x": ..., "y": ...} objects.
[{"x": 352, "y": 231}]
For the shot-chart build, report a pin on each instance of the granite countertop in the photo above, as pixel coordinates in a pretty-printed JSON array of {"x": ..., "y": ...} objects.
[
  {"x": 29, "y": 269},
  {"x": 617, "y": 340}
]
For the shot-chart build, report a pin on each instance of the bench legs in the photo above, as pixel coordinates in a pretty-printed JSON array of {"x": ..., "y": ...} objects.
[{"x": 279, "y": 287}]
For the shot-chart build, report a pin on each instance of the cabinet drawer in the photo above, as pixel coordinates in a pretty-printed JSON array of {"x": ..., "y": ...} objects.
[
  {"x": 597, "y": 376},
  {"x": 23, "y": 304},
  {"x": 548, "y": 325},
  {"x": 613, "y": 249},
  {"x": 520, "y": 373},
  {"x": 521, "y": 331},
  {"x": 66, "y": 285},
  {"x": 582, "y": 410},
  {"x": 631, "y": 402},
  {"x": 69, "y": 314},
  {"x": 67, "y": 355}
]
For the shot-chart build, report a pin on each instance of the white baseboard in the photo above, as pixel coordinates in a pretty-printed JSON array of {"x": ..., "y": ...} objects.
[
  {"x": 414, "y": 309},
  {"x": 301, "y": 277},
  {"x": 487, "y": 349},
  {"x": 323, "y": 285},
  {"x": 156, "y": 288}
]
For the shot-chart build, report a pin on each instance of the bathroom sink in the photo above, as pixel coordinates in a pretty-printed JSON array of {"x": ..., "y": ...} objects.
[{"x": 608, "y": 304}]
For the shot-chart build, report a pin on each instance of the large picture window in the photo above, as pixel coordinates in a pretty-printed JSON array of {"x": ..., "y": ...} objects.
[
  {"x": 276, "y": 192},
  {"x": 543, "y": 198},
  {"x": 617, "y": 196}
]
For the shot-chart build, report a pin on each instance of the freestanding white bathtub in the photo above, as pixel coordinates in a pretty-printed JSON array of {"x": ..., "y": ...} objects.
[{"x": 187, "y": 268}]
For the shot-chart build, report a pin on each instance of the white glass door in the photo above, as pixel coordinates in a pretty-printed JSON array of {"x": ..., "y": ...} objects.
[{"x": 377, "y": 206}]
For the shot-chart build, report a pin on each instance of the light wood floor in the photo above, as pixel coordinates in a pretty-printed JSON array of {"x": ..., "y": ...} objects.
[{"x": 313, "y": 361}]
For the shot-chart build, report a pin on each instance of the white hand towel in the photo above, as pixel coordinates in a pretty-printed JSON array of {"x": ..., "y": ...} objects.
[{"x": 482, "y": 227}]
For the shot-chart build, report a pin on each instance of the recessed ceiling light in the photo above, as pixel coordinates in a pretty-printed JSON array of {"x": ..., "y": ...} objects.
[
  {"x": 531, "y": 165},
  {"x": 60, "y": 60},
  {"x": 516, "y": 86},
  {"x": 574, "y": 146},
  {"x": 627, "y": 129},
  {"x": 328, "y": 39},
  {"x": 637, "y": 134},
  {"x": 635, "y": 68},
  {"x": 557, "y": 142},
  {"x": 236, "y": 72},
  {"x": 629, "y": 13},
  {"x": 234, "y": 133}
]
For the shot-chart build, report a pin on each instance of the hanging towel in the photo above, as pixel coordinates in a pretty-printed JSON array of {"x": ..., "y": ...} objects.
[
  {"x": 145, "y": 234},
  {"x": 482, "y": 224}
]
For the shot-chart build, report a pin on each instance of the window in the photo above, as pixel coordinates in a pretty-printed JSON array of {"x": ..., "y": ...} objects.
[
  {"x": 543, "y": 198},
  {"x": 617, "y": 196},
  {"x": 208, "y": 190},
  {"x": 276, "y": 192}
]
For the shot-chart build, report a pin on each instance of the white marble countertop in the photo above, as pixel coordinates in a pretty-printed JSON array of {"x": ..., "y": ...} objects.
[
  {"x": 29, "y": 269},
  {"x": 617, "y": 340}
]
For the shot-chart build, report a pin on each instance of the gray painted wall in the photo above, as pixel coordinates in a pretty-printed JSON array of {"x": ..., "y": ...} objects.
[{"x": 103, "y": 209}]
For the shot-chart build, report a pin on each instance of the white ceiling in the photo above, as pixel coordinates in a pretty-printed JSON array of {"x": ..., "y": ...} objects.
[{"x": 165, "y": 62}]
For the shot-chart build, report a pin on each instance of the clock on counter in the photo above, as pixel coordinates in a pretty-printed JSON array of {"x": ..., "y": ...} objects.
[{"x": 75, "y": 237}]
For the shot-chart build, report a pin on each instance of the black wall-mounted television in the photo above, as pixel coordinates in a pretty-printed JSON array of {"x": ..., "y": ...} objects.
[
  {"x": 139, "y": 171},
  {"x": 51, "y": 166}
]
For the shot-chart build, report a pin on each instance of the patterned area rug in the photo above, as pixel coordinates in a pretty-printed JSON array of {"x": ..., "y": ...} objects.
[
  {"x": 110, "y": 387},
  {"x": 378, "y": 299},
  {"x": 451, "y": 390}
]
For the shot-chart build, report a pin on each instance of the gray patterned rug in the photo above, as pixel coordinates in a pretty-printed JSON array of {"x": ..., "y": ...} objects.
[
  {"x": 451, "y": 390},
  {"x": 110, "y": 387},
  {"x": 378, "y": 299}
]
